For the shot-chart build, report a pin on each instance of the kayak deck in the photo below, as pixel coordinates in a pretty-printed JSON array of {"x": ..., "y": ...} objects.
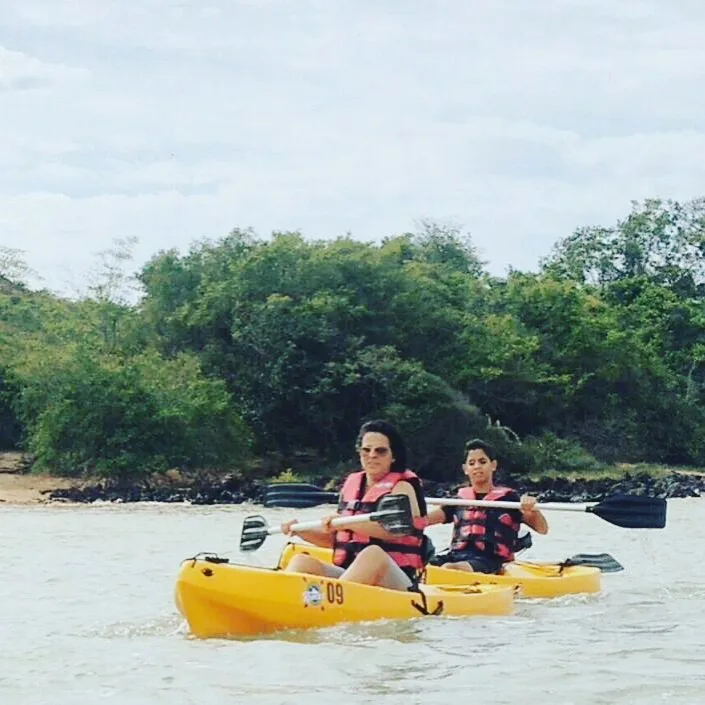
[
  {"x": 226, "y": 600},
  {"x": 532, "y": 580}
]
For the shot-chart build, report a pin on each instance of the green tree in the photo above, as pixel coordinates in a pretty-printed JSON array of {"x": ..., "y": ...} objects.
[
  {"x": 10, "y": 426},
  {"x": 95, "y": 413},
  {"x": 664, "y": 241},
  {"x": 14, "y": 270}
]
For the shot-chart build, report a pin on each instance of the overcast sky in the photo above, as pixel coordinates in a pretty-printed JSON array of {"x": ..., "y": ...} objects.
[{"x": 176, "y": 121}]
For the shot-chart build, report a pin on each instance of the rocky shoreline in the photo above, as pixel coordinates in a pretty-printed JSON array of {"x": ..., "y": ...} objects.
[{"x": 232, "y": 490}]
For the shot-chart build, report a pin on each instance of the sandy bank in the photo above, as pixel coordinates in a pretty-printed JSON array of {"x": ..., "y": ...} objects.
[
  {"x": 18, "y": 488},
  {"x": 29, "y": 489}
]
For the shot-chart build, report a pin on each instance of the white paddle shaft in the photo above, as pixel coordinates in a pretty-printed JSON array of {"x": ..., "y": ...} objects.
[
  {"x": 318, "y": 523},
  {"x": 557, "y": 506}
]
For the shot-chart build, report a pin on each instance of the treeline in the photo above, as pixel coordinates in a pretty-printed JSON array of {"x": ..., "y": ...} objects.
[{"x": 248, "y": 353}]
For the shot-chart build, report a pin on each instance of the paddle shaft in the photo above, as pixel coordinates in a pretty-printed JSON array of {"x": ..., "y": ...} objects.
[
  {"x": 331, "y": 498},
  {"x": 558, "y": 506},
  {"x": 318, "y": 524}
]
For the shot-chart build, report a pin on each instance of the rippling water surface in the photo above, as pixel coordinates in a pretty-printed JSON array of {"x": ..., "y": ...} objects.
[{"x": 86, "y": 616}]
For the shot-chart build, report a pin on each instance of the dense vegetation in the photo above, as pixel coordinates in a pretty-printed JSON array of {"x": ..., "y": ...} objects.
[{"x": 247, "y": 349}]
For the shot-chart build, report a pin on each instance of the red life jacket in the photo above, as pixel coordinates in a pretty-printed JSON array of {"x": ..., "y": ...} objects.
[
  {"x": 490, "y": 532},
  {"x": 407, "y": 551}
]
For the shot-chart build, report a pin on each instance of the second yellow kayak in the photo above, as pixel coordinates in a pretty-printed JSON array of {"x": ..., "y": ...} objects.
[{"x": 535, "y": 580}]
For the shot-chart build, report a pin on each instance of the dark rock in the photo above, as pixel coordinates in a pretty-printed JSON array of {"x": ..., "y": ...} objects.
[
  {"x": 227, "y": 490},
  {"x": 233, "y": 490}
]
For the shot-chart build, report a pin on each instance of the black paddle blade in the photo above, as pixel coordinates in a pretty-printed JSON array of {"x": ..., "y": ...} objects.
[
  {"x": 292, "y": 487},
  {"x": 393, "y": 514},
  {"x": 632, "y": 511},
  {"x": 298, "y": 502},
  {"x": 603, "y": 561},
  {"x": 298, "y": 495},
  {"x": 254, "y": 532}
]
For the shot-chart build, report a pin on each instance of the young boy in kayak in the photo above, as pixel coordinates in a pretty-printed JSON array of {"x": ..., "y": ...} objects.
[
  {"x": 484, "y": 540},
  {"x": 369, "y": 554}
]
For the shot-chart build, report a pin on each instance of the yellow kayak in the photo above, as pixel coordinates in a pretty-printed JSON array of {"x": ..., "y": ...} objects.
[
  {"x": 530, "y": 579},
  {"x": 220, "y": 599}
]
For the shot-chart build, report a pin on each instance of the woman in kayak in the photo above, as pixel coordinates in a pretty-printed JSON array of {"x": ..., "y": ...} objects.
[
  {"x": 369, "y": 554},
  {"x": 484, "y": 540}
]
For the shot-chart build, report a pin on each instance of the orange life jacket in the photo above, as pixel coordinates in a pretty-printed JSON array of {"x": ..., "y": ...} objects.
[
  {"x": 407, "y": 551},
  {"x": 490, "y": 532}
]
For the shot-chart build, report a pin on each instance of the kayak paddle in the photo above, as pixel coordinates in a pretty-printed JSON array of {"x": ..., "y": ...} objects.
[
  {"x": 393, "y": 514},
  {"x": 300, "y": 501},
  {"x": 625, "y": 510}
]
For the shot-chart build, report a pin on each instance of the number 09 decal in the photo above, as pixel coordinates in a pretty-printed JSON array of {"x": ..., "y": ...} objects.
[{"x": 334, "y": 593}]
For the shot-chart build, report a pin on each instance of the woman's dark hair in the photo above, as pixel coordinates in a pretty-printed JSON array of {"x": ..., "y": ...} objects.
[
  {"x": 479, "y": 444},
  {"x": 396, "y": 442}
]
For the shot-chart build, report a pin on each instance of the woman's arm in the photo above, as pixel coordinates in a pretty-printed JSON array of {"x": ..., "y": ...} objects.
[
  {"x": 437, "y": 516},
  {"x": 322, "y": 537},
  {"x": 318, "y": 537}
]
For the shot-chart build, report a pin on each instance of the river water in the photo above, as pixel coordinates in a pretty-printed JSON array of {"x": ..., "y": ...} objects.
[{"x": 87, "y": 616}]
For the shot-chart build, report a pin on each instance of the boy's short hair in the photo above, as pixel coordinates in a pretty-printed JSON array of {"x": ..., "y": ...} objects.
[{"x": 479, "y": 444}]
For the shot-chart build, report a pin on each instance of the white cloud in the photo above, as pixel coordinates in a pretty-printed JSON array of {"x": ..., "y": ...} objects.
[
  {"x": 21, "y": 72},
  {"x": 175, "y": 122}
]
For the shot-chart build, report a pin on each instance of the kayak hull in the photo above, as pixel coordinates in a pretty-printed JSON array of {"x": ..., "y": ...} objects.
[
  {"x": 531, "y": 580},
  {"x": 232, "y": 600}
]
